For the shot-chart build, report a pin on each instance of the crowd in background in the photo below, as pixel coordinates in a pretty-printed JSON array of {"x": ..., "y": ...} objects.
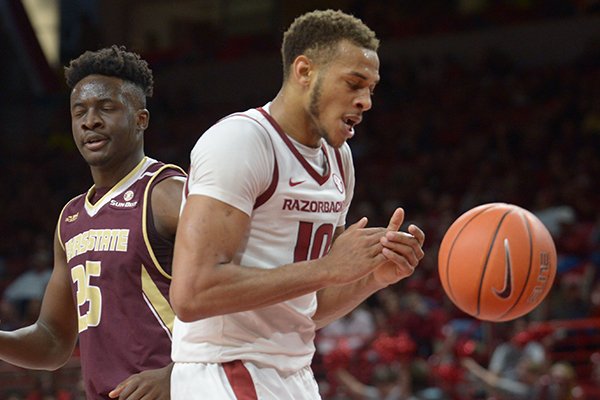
[{"x": 442, "y": 138}]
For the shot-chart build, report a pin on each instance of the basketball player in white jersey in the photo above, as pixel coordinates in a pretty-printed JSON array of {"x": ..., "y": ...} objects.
[{"x": 261, "y": 256}]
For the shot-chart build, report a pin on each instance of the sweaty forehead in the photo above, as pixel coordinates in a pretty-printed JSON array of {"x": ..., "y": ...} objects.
[
  {"x": 358, "y": 60},
  {"x": 96, "y": 87}
]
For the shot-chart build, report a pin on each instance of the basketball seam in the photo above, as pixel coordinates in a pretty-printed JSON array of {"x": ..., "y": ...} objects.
[{"x": 450, "y": 291}]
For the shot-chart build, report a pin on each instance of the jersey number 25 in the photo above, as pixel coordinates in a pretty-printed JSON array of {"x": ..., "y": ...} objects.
[{"x": 87, "y": 293}]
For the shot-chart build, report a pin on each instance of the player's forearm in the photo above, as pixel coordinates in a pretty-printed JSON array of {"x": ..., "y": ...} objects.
[
  {"x": 336, "y": 301},
  {"x": 34, "y": 347},
  {"x": 231, "y": 288}
]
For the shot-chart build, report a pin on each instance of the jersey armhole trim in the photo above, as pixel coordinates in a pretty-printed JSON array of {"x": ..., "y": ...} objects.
[
  {"x": 150, "y": 185},
  {"x": 338, "y": 158},
  {"x": 266, "y": 195},
  {"x": 60, "y": 218}
]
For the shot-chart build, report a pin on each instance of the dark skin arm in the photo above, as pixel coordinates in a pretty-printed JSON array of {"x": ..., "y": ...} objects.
[
  {"x": 156, "y": 384},
  {"x": 152, "y": 384},
  {"x": 49, "y": 342}
]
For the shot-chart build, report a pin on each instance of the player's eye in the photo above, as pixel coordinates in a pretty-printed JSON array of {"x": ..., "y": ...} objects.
[{"x": 353, "y": 85}]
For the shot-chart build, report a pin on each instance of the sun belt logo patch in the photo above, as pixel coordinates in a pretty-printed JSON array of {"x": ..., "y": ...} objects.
[
  {"x": 128, "y": 195},
  {"x": 126, "y": 203}
]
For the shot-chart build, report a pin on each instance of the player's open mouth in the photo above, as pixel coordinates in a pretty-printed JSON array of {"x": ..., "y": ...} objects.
[{"x": 350, "y": 122}]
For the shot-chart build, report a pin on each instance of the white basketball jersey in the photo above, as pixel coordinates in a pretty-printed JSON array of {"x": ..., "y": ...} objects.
[{"x": 298, "y": 200}]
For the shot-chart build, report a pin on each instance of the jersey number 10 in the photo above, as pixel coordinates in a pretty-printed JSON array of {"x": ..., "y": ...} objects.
[{"x": 316, "y": 242}]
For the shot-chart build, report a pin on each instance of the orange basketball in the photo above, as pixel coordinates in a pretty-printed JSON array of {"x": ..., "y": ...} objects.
[{"x": 497, "y": 262}]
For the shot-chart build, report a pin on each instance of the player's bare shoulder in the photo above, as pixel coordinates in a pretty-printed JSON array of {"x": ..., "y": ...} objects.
[{"x": 165, "y": 201}]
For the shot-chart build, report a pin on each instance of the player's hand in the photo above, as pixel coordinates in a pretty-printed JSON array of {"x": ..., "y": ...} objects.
[
  {"x": 355, "y": 253},
  {"x": 402, "y": 250},
  {"x": 152, "y": 384}
]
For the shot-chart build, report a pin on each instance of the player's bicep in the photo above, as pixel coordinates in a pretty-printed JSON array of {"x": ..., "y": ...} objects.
[
  {"x": 166, "y": 205},
  {"x": 209, "y": 234}
]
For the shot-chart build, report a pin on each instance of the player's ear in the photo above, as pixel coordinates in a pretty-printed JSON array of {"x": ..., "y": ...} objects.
[
  {"x": 302, "y": 70},
  {"x": 142, "y": 118}
]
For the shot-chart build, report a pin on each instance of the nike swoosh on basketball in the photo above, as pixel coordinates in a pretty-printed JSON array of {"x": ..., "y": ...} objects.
[
  {"x": 507, "y": 290},
  {"x": 296, "y": 183}
]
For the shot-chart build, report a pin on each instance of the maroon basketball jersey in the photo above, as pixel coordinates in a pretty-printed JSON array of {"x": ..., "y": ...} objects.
[{"x": 120, "y": 273}]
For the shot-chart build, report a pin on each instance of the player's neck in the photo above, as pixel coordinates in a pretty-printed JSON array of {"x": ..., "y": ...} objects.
[
  {"x": 288, "y": 111},
  {"x": 107, "y": 176}
]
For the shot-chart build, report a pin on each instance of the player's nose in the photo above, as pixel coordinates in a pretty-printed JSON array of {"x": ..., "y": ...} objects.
[
  {"x": 363, "y": 100},
  {"x": 91, "y": 120}
]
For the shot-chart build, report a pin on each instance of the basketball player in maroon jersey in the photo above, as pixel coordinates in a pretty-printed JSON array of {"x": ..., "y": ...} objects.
[
  {"x": 113, "y": 244},
  {"x": 255, "y": 272}
]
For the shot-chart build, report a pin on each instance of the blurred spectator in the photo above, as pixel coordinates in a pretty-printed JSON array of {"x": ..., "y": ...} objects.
[
  {"x": 21, "y": 299},
  {"x": 454, "y": 341},
  {"x": 454, "y": 136},
  {"x": 520, "y": 344},
  {"x": 514, "y": 368},
  {"x": 355, "y": 329},
  {"x": 553, "y": 213},
  {"x": 46, "y": 388},
  {"x": 570, "y": 301},
  {"x": 559, "y": 384},
  {"x": 591, "y": 386},
  {"x": 595, "y": 301},
  {"x": 524, "y": 386},
  {"x": 388, "y": 382}
]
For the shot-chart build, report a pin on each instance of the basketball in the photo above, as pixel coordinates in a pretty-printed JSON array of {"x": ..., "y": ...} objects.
[{"x": 497, "y": 262}]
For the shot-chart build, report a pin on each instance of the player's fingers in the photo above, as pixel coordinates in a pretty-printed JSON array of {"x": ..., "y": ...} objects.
[
  {"x": 417, "y": 233},
  {"x": 373, "y": 233},
  {"x": 406, "y": 268},
  {"x": 403, "y": 243},
  {"x": 358, "y": 225},
  {"x": 130, "y": 392},
  {"x": 401, "y": 254},
  {"x": 125, "y": 390},
  {"x": 396, "y": 220},
  {"x": 116, "y": 392}
]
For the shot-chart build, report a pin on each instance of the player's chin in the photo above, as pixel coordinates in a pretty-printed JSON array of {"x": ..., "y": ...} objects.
[
  {"x": 94, "y": 159},
  {"x": 337, "y": 140}
]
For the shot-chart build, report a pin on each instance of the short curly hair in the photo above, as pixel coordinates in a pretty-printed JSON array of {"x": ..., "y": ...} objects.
[
  {"x": 113, "y": 61},
  {"x": 316, "y": 33}
]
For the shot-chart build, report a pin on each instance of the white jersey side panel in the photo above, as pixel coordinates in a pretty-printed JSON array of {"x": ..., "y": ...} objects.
[{"x": 294, "y": 206}]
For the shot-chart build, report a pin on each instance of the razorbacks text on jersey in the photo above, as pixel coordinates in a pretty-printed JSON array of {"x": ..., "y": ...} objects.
[{"x": 120, "y": 271}]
